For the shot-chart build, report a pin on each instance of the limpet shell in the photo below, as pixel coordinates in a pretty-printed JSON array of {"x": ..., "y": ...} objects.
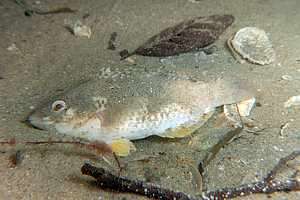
[{"x": 254, "y": 45}]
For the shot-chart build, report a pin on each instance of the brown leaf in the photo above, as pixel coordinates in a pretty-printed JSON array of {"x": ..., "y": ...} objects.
[{"x": 186, "y": 36}]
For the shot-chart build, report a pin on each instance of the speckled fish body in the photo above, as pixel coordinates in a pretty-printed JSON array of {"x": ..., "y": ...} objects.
[{"x": 134, "y": 108}]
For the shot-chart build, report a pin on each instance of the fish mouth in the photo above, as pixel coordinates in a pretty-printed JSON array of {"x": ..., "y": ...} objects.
[
  {"x": 28, "y": 122},
  {"x": 35, "y": 122}
]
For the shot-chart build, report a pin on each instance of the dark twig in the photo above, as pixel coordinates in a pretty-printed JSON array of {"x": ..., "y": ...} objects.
[
  {"x": 252, "y": 188},
  {"x": 267, "y": 186},
  {"x": 29, "y": 11},
  {"x": 122, "y": 184}
]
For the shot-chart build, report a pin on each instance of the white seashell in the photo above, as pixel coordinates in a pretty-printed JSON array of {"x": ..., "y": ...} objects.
[
  {"x": 287, "y": 77},
  {"x": 245, "y": 107},
  {"x": 234, "y": 112},
  {"x": 12, "y": 47},
  {"x": 81, "y": 30},
  {"x": 292, "y": 101},
  {"x": 253, "y": 44}
]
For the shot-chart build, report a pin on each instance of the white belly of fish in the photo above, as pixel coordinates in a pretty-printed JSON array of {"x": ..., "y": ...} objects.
[
  {"x": 137, "y": 129},
  {"x": 163, "y": 123}
]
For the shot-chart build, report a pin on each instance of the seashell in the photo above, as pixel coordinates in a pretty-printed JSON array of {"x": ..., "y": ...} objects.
[
  {"x": 253, "y": 45},
  {"x": 234, "y": 112},
  {"x": 287, "y": 77},
  {"x": 78, "y": 29},
  {"x": 245, "y": 107},
  {"x": 292, "y": 101}
]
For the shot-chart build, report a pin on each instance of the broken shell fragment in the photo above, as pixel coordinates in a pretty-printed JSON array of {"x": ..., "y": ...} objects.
[
  {"x": 245, "y": 107},
  {"x": 81, "y": 30},
  {"x": 252, "y": 44},
  {"x": 287, "y": 77},
  {"x": 293, "y": 101},
  {"x": 234, "y": 112},
  {"x": 231, "y": 112}
]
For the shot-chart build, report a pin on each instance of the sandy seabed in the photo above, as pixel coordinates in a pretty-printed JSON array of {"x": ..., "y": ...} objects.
[{"x": 40, "y": 58}]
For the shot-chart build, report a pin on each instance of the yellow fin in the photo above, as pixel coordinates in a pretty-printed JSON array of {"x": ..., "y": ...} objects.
[
  {"x": 183, "y": 131},
  {"x": 179, "y": 132},
  {"x": 122, "y": 147}
]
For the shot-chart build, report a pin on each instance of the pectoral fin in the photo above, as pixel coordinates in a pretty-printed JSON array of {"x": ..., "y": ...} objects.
[{"x": 122, "y": 147}]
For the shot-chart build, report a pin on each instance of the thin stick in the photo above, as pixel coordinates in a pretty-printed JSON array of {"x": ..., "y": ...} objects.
[
  {"x": 100, "y": 147},
  {"x": 282, "y": 162}
]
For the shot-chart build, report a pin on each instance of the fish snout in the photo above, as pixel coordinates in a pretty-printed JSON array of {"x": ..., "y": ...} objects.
[{"x": 35, "y": 121}]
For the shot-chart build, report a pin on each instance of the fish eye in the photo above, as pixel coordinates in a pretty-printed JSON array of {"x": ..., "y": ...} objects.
[{"x": 58, "y": 106}]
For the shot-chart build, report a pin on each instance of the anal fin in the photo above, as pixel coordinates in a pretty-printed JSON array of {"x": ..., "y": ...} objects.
[
  {"x": 179, "y": 132},
  {"x": 184, "y": 131}
]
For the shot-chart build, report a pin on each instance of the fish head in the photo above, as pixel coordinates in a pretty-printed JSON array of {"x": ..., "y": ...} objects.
[{"x": 72, "y": 114}]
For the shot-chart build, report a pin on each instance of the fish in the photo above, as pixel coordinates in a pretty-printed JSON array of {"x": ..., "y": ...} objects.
[{"x": 117, "y": 111}]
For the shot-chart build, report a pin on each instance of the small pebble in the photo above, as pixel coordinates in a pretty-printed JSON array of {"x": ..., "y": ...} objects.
[
  {"x": 221, "y": 168},
  {"x": 12, "y": 47},
  {"x": 287, "y": 77},
  {"x": 130, "y": 60},
  {"x": 283, "y": 128},
  {"x": 277, "y": 149}
]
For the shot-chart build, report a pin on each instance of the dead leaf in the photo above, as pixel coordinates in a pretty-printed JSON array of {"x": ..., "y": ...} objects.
[{"x": 186, "y": 36}]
